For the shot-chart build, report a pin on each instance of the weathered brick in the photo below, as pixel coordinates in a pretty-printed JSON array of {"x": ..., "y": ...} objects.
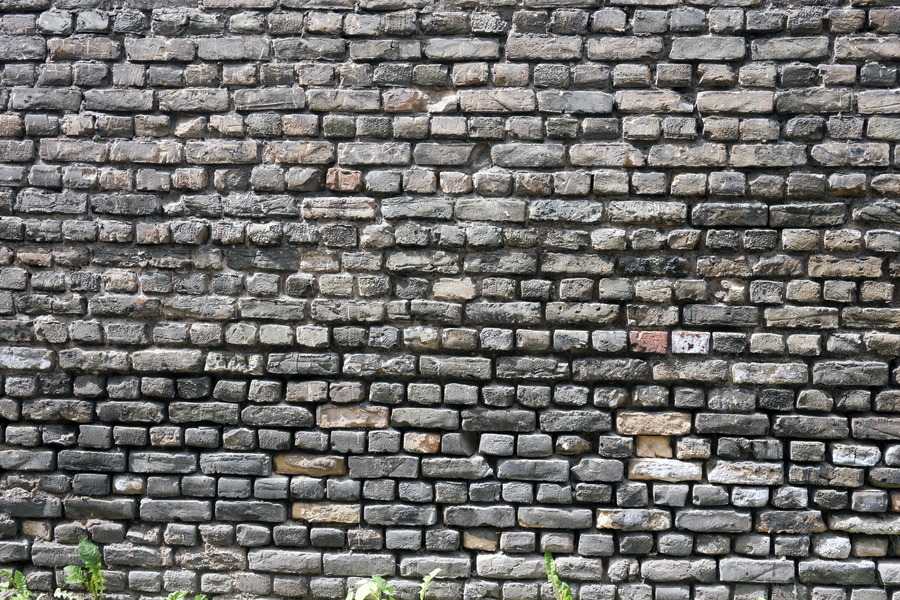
[
  {"x": 84, "y": 48},
  {"x": 22, "y": 47},
  {"x": 743, "y": 102},
  {"x": 453, "y": 49},
  {"x": 624, "y": 48},
  {"x": 790, "y": 48},
  {"x": 232, "y": 48},
  {"x": 392, "y": 153},
  {"x": 768, "y": 155},
  {"x": 867, "y": 48},
  {"x": 45, "y": 99},
  {"x": 850, "y": 373},
  {"x": 509, "y": 100},
  {"x": 672, "y": 155},
  {"x": 633, "y": 519},
  {"x": 218, "y": 152},
  {"x": 319, "y": 512},
  {"x": 544, "y": 47},
  {"x": 708, "y": 48},
  {"x": 285, "y": 561},
  {"x": 193, "y": 100},
  {"x": 159, "y": 49},
  {"x": 270, "y": 99}
]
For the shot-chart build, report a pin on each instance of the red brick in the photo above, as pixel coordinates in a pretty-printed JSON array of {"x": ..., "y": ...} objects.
[
  {"x": 344, "y": 180},
  {"x": 649, "y": 342}
]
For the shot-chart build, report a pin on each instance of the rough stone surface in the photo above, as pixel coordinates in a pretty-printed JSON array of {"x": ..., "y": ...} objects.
[{"x": 294, "y": 293}]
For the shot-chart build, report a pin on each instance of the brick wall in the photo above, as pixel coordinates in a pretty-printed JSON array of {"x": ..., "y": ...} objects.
[{"x": 295, "y": 291}]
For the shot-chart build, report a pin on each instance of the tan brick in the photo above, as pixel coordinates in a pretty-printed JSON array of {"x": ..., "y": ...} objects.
[
  {"x": 352, "y": 417},
  {"x": 662, "y": 423},
  {"x": 325, "y": 512},
  {"x": 309, "y": 464}
]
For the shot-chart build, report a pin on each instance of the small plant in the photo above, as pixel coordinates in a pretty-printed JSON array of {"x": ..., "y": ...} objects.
[
  {"x": 181, "y": 595},
  {"x": 377, "y": 587},
  {"x": 426, "y": 581},
  {"x": 14, "y": 587},
  {"x": 561, "y": 589},
  {"x": 90, "y": 574}
]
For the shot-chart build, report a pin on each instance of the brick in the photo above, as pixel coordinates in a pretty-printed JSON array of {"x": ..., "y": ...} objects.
[
  {"x": 858, "y": 572},
  {"x": 284, "y": 561},
  {"x": 159, "y": 49},
  {"x": 456, "y": 468},
  {"x": 605, "y": 155},
  {"x": 652, "y": 101},
  {"x": 527, "y": 47},
  {"x": 633, "y": 519},
  {"x": 761, "y": 571},
  {"x": 634, "y": 423},
  {"x": 849, "y": 373},
  {"x": 381, "y": 50},
  {"x": 574, "y": 102},
  {"x": 508, "y": 100},
  {"x": 477, "y": 516},
  {"x": 792, "y": 48},
  {"x": 374, "y": 154},
  {"x": 555, "y": 518},
  {"x": 679, "y": 570},
  {"x": 311, "y": 48},
  {"x": 672, "y": 155},
  {"x": 232, "y": 48},
  {"x": 529, "y": 155},
  {"x": 217, "y": 152},
  {"x": 746, "y": 472},
  {"x": 744, "y": 102},
  {"x": 812, "y": 101},
  {"x": 663, "y": 469},
  {"x": 708, "y": 48},
  {"x": 453, "y": 49},
  {"x": 22, "y": 47},
  {"x": 810, "y": 427},
  {"x": 613, "y": 369},
  {"x": 769, "y": 373},
  {"x": 312, "y": 465},
  {"x": 713, "y": 521},
  {"x": 146, "y": 152},
  {"x": 878, "y": 102},
  {"x": 45, "y": 99},
  {"x": 73, "y": 151},
  {"x": 270, "y": 99},
  {"x": 193, "y": 100},
  {"x": 768, "y": 155},
  {"x": 624, "y": 48},
  {"x": 867, "y": 48},
  {"x": 345, "y": 417},
  {"x": 84, "y": 48},
  {"x": 790, "y": 521}
]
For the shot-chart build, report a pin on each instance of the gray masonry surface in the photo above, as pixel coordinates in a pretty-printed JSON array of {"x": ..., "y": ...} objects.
[{"x": 295, "y": 292}]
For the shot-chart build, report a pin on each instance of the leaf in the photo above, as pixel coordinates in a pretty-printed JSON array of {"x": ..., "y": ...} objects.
[
  {"x": 201, "y": 597},
  {"x": 21, "y": 584},
  {"x": 426, "y": 581},
  {"x": 560, "y": 588},
  {"x": 365, "y": 590},
  {"x": 179, "y": 595},
  {"x": 89, "y": 554},
  {"x": 384, "y": 588},
  {"x": 74, "y": 574}
]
